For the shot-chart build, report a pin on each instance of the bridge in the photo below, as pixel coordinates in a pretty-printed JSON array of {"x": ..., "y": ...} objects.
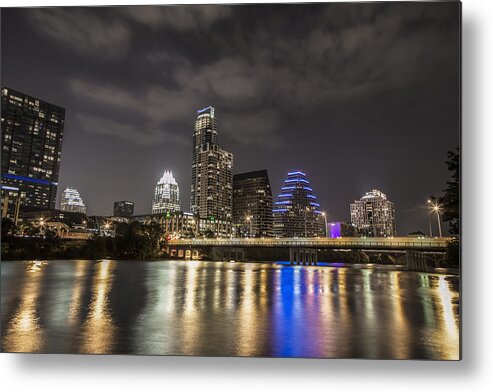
[{"x": 304, "y": 250}]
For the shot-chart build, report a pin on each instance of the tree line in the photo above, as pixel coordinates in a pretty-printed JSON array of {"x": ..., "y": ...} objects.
[{"x": 132, "y": 241}]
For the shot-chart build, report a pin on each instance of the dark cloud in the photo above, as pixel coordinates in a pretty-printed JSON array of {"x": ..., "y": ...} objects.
[
  {"x": 83, "y": 30},
  {"x": 360, "y": 96},
  {"x": 181, "y": 18}
]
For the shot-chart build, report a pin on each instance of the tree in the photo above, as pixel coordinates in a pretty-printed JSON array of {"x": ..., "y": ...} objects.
[
  {"x": 209, "y": 233},
  {"x": 451, "y": 197},
  {"x": 50, "y": 234},
  {"x": 7, "y": 226},
  {"x": 96, "y": 248},
  {"x": 450, "y": 202},
  {"x": 31, "y": 230}
]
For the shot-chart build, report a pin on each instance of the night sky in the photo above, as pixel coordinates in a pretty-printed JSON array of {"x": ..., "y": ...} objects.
[{"x": 358, "y": 96}]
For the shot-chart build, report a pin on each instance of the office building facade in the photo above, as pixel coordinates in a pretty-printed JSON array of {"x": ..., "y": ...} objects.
[
  {"x": 166, "y": 194},
  {"x": 32, "y": 134},
  {"x": 123, "y": 209},
  {"x": 12, "y": 199},
  {"x": 374, "y": 215},
  {"x": 252, "y": 205},
  {"x": 212, "y": 174},
  {"x": 175, "y": 224},
  {"x": 296, "y": 211}
]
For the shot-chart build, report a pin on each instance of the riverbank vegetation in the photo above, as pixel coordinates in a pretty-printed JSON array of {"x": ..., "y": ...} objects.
[
  {"x": 450, "y": 202},
  {"x": 132, "y": 241}
]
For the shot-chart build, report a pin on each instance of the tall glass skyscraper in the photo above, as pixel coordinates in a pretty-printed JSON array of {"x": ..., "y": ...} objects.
[
  {"x": 72, "y": 201},
  {"x": 166, "y": 194},
  {"x": 297, "y": 212},
  {"x": 374, "y": 215},
  {"x": 32, "y": 133},
  {"x": 252, "y": 204},
  {"x": 212, "y": 174}
]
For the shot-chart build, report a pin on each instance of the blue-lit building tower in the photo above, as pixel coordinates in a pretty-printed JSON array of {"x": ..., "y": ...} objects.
[{"x": 296, "y": 211}]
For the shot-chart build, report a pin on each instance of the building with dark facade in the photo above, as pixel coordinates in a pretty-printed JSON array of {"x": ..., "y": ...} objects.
[
  {"x": 12, "y": 199},
  {"x": 212, "y": 174},
  {"x": 296, "y": 211},
  {"x": 32, "y": 134},
  {"x": 374, "y": 215},
  {"x": 252, "y": 204},
  {"x": 123, "y": 209}
]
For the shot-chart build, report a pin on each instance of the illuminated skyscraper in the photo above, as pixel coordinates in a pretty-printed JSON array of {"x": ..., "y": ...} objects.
[
  {"x": 296, "y": 212},
  {"x": 212, "y": 174},
  {"x": 32, "y": 133},
  {"x": 252, "y": 204},
  {"x": 166, "y": 194},
  {"x": 71, "y": 201},
  {"x": 374, "y": 215}
]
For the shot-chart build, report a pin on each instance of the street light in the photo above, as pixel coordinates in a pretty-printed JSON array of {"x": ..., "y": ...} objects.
[
  {"x": 435, "y": 207},
  {"x": 429, "y": 220}
]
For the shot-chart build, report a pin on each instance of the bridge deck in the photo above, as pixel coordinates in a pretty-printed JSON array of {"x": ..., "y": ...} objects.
[{"x": 333, "y": 243}]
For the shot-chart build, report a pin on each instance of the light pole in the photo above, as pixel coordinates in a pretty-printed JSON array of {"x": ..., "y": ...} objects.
[
  {"x": 437, "y": 210},
  {"x": 324, "y": 214},
  {"x": 435, "y": 207},
  {"x": 429, "y": 220}
]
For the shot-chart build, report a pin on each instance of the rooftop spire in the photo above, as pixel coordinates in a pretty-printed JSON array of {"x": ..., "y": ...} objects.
[{"x": 167, "y": 178}]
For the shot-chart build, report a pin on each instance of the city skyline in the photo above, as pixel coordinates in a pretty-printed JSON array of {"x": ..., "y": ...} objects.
[{"x": 372, "y": 134}]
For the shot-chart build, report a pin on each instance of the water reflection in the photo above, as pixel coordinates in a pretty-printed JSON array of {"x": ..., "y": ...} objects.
[
  {"x": 77, "y": 291},
  {"x": 24, "y": 333},
  {"x": 98, "y": 330},
  {"x": 206, "y": 308},
  {"x": 447, "y": 317}
]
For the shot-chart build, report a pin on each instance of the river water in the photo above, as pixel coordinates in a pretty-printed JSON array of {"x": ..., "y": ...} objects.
[{"x": 222, "y": 309}]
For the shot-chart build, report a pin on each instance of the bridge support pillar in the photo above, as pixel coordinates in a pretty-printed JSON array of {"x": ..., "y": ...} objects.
[
  {"x": 303, "y": 256},
  {"x": 416, "y": 261},
  {"x": 232, "y": 254}
]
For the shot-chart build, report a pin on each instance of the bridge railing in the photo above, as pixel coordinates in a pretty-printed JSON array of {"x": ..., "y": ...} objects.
[{"x": 397, "y": 242}]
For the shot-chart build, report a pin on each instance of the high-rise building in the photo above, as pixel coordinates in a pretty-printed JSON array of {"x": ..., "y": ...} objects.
[
  {"x": 296, "y": 212},
  {"x": 252, "y": 204},
  {"x": 32, "y": 133},
  {"x": 123, "y": 209},
  {"x": 374, "y": 215},
  {"x": 12, "y": 199},
  {"x": 166, "y": 194},
  {"x": 212, "y": 174},
  {"x": 72, "y": 202}
]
